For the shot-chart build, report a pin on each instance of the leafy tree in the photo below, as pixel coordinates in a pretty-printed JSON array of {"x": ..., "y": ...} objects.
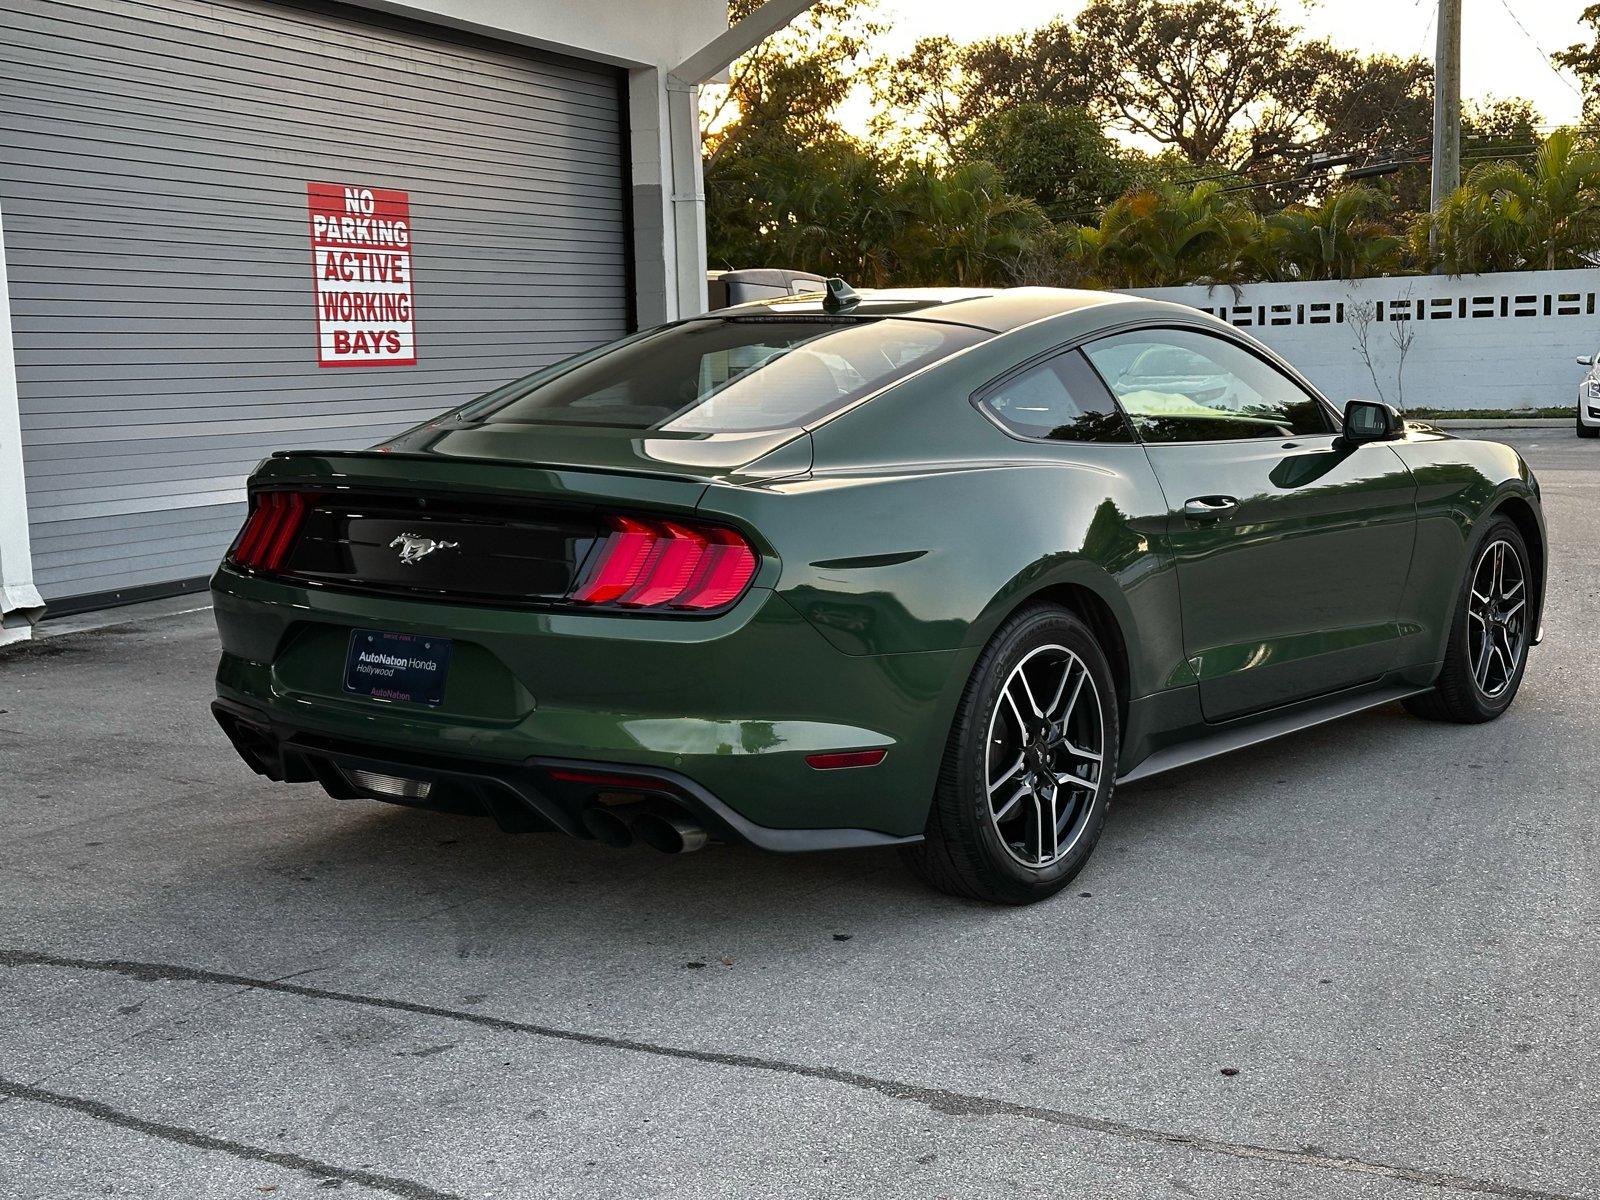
[
  {"x": 1224, "y": 82},
  {"x": 785, "y": 186},
  {"x": 838, "y": 209},
  {"x": 933, "y": 96},
  {"x": 1495, "y": 127},
  {"x": 1379, "y": 107},
  {"x": 1583, "y": 60},
  {"x": 1005, "y": 152},
  {"x": 1057, "y": 156},
  {"x": 784, "y": 93},
  {"x": 1051, "y": 65},
  {"x": 923, "y": 98},
  {"x": 823, "y": 208},
  {"x": 1373, "y": 103}
]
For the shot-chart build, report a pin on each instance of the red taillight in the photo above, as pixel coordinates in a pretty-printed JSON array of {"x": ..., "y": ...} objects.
[
  {"x": 269, "y": 531},
  {"x": 833, "y": 761},
  {"x": 667, "y": 564},
  {"x": 727, "y": 566},
  {"x": 622, "y": 560},
  {"x": 672, "y": 563}
]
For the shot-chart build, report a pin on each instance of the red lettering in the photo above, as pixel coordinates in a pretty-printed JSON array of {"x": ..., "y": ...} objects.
[{"x": 361, "y": 240}]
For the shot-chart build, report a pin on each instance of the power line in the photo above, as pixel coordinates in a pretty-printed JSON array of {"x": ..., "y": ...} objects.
[
  {"x": 1394, "y": 108},
  {"x": 1548, "y": 61}
]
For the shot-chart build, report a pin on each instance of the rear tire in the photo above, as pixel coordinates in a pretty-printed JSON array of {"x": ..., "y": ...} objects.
[
  {"x": 1488, "y": 650},
  {"x": 1030, "y": 766}
]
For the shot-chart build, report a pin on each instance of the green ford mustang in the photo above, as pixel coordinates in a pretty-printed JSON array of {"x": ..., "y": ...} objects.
[{"x": 929, "y": 569}]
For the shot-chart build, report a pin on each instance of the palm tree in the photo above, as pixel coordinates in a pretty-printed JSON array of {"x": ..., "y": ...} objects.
[
  {"x": 1343, "y": 237},
  {"x": 958, "y": 225},
  {"x": 1162, "y": 235},
  {"x": 1505, "y": 218}
]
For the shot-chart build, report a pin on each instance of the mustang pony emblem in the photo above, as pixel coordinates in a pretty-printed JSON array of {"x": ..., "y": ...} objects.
[{"x": 414, "y": 547}]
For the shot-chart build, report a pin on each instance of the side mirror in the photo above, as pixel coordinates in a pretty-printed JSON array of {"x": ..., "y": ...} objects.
[
  {"x": 1369, "y": 421},
  {"x": 1585, "y": 360}
]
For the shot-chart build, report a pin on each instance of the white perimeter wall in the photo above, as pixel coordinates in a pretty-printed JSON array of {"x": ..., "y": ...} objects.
[{"x": 1482, "y": 341}]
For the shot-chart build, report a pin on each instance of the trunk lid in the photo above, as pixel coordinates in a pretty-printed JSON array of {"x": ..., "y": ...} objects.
[{"x": 498, "y": 513}]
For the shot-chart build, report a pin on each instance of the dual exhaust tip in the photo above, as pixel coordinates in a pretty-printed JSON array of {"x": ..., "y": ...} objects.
[{"x": 619, "y": 826}]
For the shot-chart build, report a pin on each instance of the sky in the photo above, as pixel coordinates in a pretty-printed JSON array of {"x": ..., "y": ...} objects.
[{"x": 1498, "y": 57}]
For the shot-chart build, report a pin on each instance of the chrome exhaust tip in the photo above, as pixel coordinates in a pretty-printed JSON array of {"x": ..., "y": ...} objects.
[
  {"x": 608, "y": 826},
  {"x": 393, "y": 786},
  {"x": 670, "y": 835}
]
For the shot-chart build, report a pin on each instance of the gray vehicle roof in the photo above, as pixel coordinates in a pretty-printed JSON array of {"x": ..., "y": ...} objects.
[{"x": 995, "y": 309}]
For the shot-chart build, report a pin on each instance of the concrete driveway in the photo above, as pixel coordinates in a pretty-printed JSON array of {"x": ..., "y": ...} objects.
[{"x": 1364, "y": 961}]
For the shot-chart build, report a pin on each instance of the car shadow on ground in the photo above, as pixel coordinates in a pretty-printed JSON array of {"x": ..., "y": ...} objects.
[{"x": 349, "y": 865}]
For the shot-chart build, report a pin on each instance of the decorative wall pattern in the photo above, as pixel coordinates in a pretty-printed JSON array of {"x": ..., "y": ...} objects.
[{"x": 1483, "y": 341}]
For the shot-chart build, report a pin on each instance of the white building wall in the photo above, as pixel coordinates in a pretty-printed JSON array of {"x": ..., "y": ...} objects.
[{"x": 1478, "y": 342}]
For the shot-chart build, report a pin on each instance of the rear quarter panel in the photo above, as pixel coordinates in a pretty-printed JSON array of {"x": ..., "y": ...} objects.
[{"x": 922, "y": 526}]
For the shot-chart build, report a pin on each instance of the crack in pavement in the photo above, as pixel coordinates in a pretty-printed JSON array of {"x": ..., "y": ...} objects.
[
  {"x": 408, "y": 1189},
  {"x": 941, "y": 1100}
]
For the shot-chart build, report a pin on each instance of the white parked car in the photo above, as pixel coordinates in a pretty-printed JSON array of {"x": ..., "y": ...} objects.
[{"x": 1589, "y": 397}]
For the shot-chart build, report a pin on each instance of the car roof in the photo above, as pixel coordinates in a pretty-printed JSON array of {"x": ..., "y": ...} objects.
[{"x": 994, "y": 309}]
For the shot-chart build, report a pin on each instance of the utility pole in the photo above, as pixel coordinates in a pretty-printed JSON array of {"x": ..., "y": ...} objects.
[{"x": 1447, "y": 103}]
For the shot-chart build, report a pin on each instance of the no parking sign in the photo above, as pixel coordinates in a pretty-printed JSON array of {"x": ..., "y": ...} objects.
[{"x": 361, "y": 262}]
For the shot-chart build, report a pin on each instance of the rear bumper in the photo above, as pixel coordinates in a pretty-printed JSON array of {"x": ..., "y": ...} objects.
[
  {"x": 530, "y": 796},
  {"x": 724, "y": 709}
]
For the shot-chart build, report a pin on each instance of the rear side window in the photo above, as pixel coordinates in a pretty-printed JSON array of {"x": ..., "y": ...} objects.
[
  {"x": 726, "y": 375},
  {"x": 1061, "y": 399},
  {"x": 1180, "y": 385}
]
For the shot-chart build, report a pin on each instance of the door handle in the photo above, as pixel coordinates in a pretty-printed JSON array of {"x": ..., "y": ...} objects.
[{"x": 1210, "y": 508}]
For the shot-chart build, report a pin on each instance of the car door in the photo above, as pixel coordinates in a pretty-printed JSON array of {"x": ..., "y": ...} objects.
[{"x": 1292, "y": 549}]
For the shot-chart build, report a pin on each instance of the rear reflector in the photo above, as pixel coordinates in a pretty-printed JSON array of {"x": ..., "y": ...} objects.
[
  {"x": 269, "y": 531},
  {"x": 664, "y": 564},
  {"x": 846, "y": 758}
]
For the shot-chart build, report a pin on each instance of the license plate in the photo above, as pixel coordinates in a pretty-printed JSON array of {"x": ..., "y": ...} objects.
[{"x": 404, "y": 667}]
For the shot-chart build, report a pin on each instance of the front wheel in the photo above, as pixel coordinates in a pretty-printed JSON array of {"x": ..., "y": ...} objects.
[
  {"x": 1587, "y": 431},
  {"x": 1489, "y": 635},
  {"x": 1029, "y": 768}
]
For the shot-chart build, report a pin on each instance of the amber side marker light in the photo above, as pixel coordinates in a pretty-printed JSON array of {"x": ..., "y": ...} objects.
[{"x": 846, "y": 758}]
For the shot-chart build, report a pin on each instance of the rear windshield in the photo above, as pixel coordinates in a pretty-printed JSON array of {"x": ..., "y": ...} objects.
[{"x": 731, "y": 374}]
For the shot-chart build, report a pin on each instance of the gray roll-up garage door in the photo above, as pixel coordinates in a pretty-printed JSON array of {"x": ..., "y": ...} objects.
[{"x": 154, "y": 168}]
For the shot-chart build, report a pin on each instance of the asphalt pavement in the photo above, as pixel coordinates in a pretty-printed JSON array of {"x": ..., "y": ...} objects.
[{"x": 1363, "y": 961}]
